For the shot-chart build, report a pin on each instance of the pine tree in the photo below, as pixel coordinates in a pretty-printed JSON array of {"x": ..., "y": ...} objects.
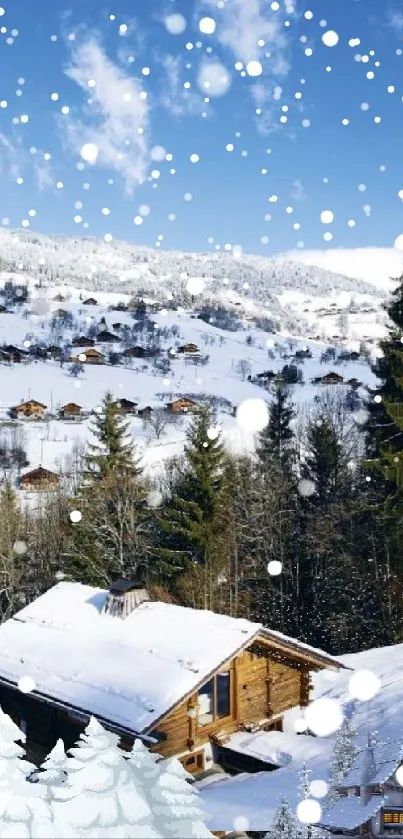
[
  {"x": 325, "y": 464},
  {"x": 284, "y": 825},
  {"x": 276, "y": 441},
  {"x": 344, "y": 753},
  {"x": 307, "y": 831},
  {"x": 175, "y": 804},
  {"x": 113, "y": 454},
  {"x": 24, "y": 811},
  {"x": 99, "y": 799},
  {"x": 190, "y": 533},
  {"x": 54, "y": 770}
]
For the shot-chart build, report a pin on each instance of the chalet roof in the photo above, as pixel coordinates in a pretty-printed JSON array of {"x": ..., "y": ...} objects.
[
  {"x": 78, "y": 656},
  {"x": 39, "y": 472},
  {"x": 387, "y": 758},
  {"x": 349, "y": 813},
  {"x": 29, "y": 402},
  {"x": 70, "y": 405}
]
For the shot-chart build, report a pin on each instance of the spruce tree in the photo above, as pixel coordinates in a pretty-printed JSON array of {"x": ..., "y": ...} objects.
[
  {"x": 175, "y": 804},
  {"x": 190, "y": 522},
  {"x": 276, "y": 441},
  {"x": 285, "y": 825},
  {"x": 344, "y": 753},
  {"x": 54, "y": 770},
  {"x": 113, "y": 453}
]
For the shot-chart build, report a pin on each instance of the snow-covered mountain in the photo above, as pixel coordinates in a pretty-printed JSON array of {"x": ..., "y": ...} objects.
[{"x": 292, "y": 290}]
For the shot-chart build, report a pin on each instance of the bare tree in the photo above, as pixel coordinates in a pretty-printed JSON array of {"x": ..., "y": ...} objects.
[
  {"x": 243, "y": 368},
  {"x": 158, "y": 422}
]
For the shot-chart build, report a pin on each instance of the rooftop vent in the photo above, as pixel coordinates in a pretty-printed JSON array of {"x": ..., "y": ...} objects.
[{"x": 124, "y": 596}]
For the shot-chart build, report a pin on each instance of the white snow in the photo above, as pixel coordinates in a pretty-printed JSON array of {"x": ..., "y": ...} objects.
[{"x": 129, "y": 671}]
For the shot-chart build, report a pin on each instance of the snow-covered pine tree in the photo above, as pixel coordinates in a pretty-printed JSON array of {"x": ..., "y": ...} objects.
[
  {"x": 54, "y": 770},
  {"x": 24, "y": 811},
  {"x": 344, "y": 754},
  {"x": 143, "y": 764},
  {"x": 99, "y": 799},
  {"x": 175, "y": 806},
  {"x": 285, "y": 824}
]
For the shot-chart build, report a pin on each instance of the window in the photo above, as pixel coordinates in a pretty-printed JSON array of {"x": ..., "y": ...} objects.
[
  {"x": 215, "y": 699},
  {"x": 393, "y": 817},
  {"x": 193, "y": 762}
]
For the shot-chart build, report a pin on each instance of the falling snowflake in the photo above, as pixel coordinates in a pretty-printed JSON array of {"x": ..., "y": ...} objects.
[
  {"x": 399, "y": 775},
  {"x": 326, "y": 217},
  {"x": 213, "y": 432},
  {"x": 330, "y": 38},
  {"x": 274, "y": 567},
  {"x": 324, "y": 716},
  {"x": 240, "y": 823},
  {"x": 309, "y": 811},
  {"x": 26, "y": 684},
  {"x": 306, "y": 488},
  {"x": 175, "y": 24},
  {"x": 207, "y": 25},
  {"x": 254, "y": 68},
  {"x": 20, "y": 548},
  {"x": 75, "y": 516},
  {"x": 195, "y": 285},
  {"x": 364, "y": 685},
  {"x": 318, "y": 788},
  {"x": 213, "y": 79},
  {"x": 252, "y": 415}
]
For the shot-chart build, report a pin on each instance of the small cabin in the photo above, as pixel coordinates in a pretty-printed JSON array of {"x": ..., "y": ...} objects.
[
  {"x": 136, "y": 352},
  {"x": 183, "y": 679},
  {"x": 370, "y": 799},
  {"x": 302, "y": 354},
  {"x": 145, "y": 413},
  {"x": 105, "y": 337},
  {"x": 126, "y": 406},
  {"x": 70, "y": 411},
  {"x": 90, "y": 356},
  {"x": 54, "y": 351},
  {"x": 188, "y": 348},
  {"x": 82, "y": 341},
  {"x": 39, "y": 480},
  {"x": 30, "y": 409},
  {"x": 332, "y": 379},
  {"x": 90, "y": 302},
  {"x": 182, "y": 406},
  {"x": 13, "y": 354}
]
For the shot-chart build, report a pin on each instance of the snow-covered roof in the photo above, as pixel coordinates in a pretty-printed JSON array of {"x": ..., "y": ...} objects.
[
  {"x": 387, "y": 758},
  {"x": 349, "y": 813},
  {"x": 130, "y": 672}
]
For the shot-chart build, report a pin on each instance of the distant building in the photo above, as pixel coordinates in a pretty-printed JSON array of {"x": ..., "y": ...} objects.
[
  {"x": 188, "y": 348},
  {"x": 90, "y": 356},
  {"x": 371, "y": 799},
  {"x": 39, "y": 480},
  {"x": 125, "y": 406},
  {"x": 105, "y": 337},
  {"x": 82, "y": 341},
  {"x": 70, "y": 411},
  {"x": 90, "y": 302},
  {"x": 145, "y": 413},
  {"x": 30, "y": 409},
  {"x": 332, "y": 379},
  {"x": 183, "y": 405}
]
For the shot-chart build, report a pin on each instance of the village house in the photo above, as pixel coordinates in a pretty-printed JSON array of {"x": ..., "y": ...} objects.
[
  {"x": 140, "y": 352},
  {"x": 183, "y": 405},
  {"x": 90, "y": 356},
  {"x": 14, "y": 354},
  {"x": 371, "y": 799},
  {"x": 70, "y": 411},
  {"x": 28, "y": 410},
  {"x": 82, "y": 341},
  {"x": 184, "y": 680},
  {"x": 54, "y": 351},
  {"x": 302, "y": 354},
  {"x": 145, "y": 413},
  {"x": 125, "y": 406},
  {"x": 188, "y": 348},
  {"x": 105, "y": 337},
  {"x": 332, "y": 379},
  {"x": 39, "y": 480}
]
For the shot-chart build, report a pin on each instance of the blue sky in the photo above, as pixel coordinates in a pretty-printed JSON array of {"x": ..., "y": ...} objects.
[{"x": 274, "y": 150}]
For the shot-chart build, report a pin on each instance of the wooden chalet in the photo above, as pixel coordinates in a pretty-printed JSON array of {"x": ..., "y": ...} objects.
[
  {"x": 188, "y": 348},
  {"x": 106, "y": 337},
  {"x": 145, "y": 413},
  {"x": 13, "y": 354},
  {"x": 39, "y": 480},
  {"x": 136, "y": 352},
  {"x": 70, "y": 411},
  {"x": 89, "y": 356},
  {"x": 332, "y": 379},
  {"x": 371, "y": 799},
  {"x": 90, "y": 302},
  {"x": 54, "y": 351},
  {"x": 182, "y": 679},
  {"x": 82, "y": 341},
  {"x": 183, "y": 405},
  {"x": 30, "y": 409},
  {"x": 126, "y": 406}
]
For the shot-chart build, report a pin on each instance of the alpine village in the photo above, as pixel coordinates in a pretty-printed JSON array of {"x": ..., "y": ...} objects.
[{"x": 229, "y": 624}]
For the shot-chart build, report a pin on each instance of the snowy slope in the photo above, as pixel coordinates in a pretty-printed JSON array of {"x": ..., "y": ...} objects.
[
  {"x": 254, "y": 283},
  {"x": 377, "y": 266},
  {"x": 255, "y": 797}
]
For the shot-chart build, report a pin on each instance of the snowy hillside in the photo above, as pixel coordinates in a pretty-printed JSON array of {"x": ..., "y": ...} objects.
[
  {"x": 378, "y": 266},
  {"x": 251, "y": 800},
  {"x": 292, "y": 293}
]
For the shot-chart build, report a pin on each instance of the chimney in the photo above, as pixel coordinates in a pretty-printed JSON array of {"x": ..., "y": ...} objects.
[{"x": 123, "y": 597}]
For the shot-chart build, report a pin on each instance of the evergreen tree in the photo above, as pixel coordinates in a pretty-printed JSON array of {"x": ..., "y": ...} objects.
[
  {"x": 24, "y": 811},
  {"x": 175, "y": 804},
  {"x": 284, "y": 825},
  {"x": 12, "y": 564},
  {"x": 325, "y": 465},
  {"x": 308, "y": 831},
  {"x": 190, "y": 534},
  {"x": 276, "y": 441},
  {"x": 54, "y": 770},
  {"x": 99, "y": 799},
  {"x": 113, "y": 454},
  {"x": 344, "y": 753}
]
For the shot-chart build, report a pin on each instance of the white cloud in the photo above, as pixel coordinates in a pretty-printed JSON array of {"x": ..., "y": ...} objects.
[
  {"x": 11, "y": 155},
  {"x": 179, "y": 101},
  {"x": 298, "y": 191},
  {"x": 395, "y": 21},
  {"x": 113, "y": 120},
  {"x": 242, "y": 23},
  {"x": 44, "y": 176}
]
